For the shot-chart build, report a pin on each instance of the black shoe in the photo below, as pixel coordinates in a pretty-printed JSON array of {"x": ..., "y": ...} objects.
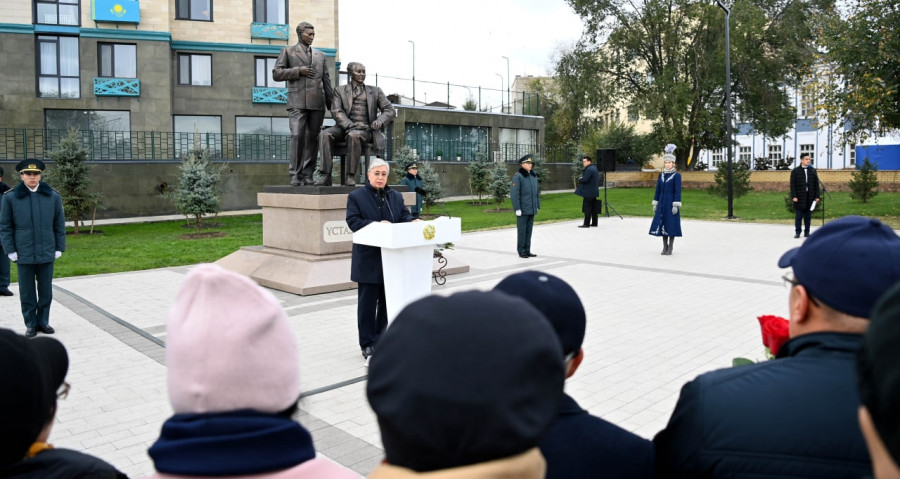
[
  {"x": 531, "y": 255},
  {"x": 796, "y": 235},
  {"x": 30, "y": 332},
  {"x": 5, "y": 292},
  {"x": 593, "y": 226},
  {"x": 46, "y": 329},
  {"x": 324, "y": 180},
  {"x": 584, "y": 226},
  {"x": 368, "y": 351},
  {"x": 523, "y": 255},
  {"x": 806, "y": 235}
]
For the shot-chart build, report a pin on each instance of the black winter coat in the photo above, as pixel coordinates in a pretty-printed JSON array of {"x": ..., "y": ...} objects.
[
  {"x": 799, "y": 186},
  {"x": 589, "y": 183},
  {"x": 365, "y": 206},
  {"x": 791, "y": 417}
]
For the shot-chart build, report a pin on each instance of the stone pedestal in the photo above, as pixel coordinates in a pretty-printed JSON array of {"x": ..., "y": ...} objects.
[{"x": 306, "y": 242}]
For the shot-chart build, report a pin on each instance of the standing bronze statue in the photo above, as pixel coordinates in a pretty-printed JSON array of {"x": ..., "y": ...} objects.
[
  {"x": 309, "y": 92},
  {"x": 355, "y": 109}
]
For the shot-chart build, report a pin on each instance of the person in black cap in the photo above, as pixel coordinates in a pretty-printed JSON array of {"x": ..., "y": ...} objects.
[
  {"x": 4, "y": 260},
  {"x": 525, "y": 193},
  {"x": 588, "y": 189},
  {"x": 31, "y": 372},
  {"x": 804, "y": 191},
  {"x": 465, "y": 385},
  {"x": 878, "y": 370},
  {"x": 412, "y": 180},
  {"x": 33, "y": 234},
  {"x": 577, "y": 445},
  {"x": 794, "y": 416}
]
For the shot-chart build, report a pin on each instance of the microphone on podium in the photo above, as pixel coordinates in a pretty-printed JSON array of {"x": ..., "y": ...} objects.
[{"x": 424, "y": 193}]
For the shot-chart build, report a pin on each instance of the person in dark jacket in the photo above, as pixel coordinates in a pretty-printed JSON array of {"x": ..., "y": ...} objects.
[
  {"x": 412, "y": 180},
  {"x": 33, "y": 372},
  {"x": 373, "y": 202},
  {"x": 577, "y": 445},
  {"x": 878, "y": 369},
  {"x": 33, "y": 234},
  {"x": 667, "y": 203},
  {"x": 804, "y": 191},
  {"x": 525, "y": 193},
  {"x": 588, "y": 189},
  {"x": 4, "y": 260},
  {"x": 794, "y": 416}
]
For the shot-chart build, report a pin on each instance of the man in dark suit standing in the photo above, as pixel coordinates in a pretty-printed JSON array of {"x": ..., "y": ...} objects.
[
  {"x": 588, "y": 189},
  {"x": 355, "y": 109},
  {"x": 309, "y": 92},
  {"x": 804, "y": 190}
]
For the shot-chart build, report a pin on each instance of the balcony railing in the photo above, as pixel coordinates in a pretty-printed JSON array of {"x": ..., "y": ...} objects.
[
  {"x": 269, "y": 95},
  {"x": 271, "y": 31},
  {"x": 19, "y": 143},
  {"x": 117, "y": 87}
]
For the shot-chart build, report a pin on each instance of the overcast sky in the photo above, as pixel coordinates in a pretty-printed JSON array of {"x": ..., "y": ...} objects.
[{"x": 462, "y": 42}]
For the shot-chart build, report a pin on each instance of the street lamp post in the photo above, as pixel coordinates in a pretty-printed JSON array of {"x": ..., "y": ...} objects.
[
  {"x": 414, "y": 70},
  {"x": 501, "y": 91},
  {"x": 508, "y": 102},
  {"x": 728, "y": 142}
]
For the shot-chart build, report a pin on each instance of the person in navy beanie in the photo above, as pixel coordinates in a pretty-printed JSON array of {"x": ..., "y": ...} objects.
[
  {"x": 234, "y": 380},
  {"x": 577, "y": 445},
  {"x": 794, "y": 416},
  {"x": 465, "y": 385}
]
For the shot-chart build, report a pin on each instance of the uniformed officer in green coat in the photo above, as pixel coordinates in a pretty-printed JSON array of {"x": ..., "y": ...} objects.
[{"x": 525, "y": 193}]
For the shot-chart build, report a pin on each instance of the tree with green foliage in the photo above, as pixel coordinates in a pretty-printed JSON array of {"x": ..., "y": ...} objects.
[
  {"x": 72, "y": 178},
  {"x": 622, "y": 137},
  {"x": 740, "y": 180},
  {"x": 197, "y": 193},
  {"x": 470, "y": 104},
  {"x": 857, "y": 83},
  {"x": 665, "y": 59},
  {"x": 432, "y": 185},
  {"x": 403, "y": 157},
  {"x": 499, "y": 185},
  {"x": 479, "y": 175},
  {"x": 864, "y": 182},
  {"x": 539, "y": 170}
]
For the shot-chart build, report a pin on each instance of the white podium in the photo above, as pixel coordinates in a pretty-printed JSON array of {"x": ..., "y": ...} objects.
[{"x": 407, "y": 251}]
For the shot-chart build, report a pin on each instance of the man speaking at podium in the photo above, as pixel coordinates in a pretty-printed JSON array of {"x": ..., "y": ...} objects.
[{"x": 373, "y": 202}]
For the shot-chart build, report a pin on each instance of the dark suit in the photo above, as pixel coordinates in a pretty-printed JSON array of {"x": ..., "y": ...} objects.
[
  {"x": 341, "y": 106},
  {"x": 804, "y": 187},
  {"x": 588, "y": 189},
  {"x": 307, "y": 99}
]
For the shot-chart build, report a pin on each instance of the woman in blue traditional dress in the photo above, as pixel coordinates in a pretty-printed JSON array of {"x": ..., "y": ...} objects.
[{"x": 667, "y": 203}]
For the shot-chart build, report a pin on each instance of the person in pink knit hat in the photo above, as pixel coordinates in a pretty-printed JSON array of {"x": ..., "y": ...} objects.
[{"x": 234, "y": 381}]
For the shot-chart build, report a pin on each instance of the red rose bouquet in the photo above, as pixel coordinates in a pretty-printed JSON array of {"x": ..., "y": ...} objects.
[{"x": 775, "y": 332}]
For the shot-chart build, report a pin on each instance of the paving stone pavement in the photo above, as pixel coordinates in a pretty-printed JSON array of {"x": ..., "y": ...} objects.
[{"x": 654, "y": 322}]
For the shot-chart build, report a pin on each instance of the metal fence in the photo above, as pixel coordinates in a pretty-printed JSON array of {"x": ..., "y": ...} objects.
[{"x": 19, "y": 143}]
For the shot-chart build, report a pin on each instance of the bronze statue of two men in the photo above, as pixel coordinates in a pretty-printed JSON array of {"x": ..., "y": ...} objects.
[{"x": 360, "y": 111}]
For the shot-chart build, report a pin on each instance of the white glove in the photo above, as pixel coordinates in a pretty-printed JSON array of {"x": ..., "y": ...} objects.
[
  {"x": 13, "y": 256},
  {"x": 675, "y": 206},
  {"x": 57, "y": 254},
  {"x": 518, "y": 212},
  {"x": 674, "y": 210},
  {"x": 654, "y": 206}
]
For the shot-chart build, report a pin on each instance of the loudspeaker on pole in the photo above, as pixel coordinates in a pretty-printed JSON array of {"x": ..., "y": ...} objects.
[{"x": 606, "y": 158}]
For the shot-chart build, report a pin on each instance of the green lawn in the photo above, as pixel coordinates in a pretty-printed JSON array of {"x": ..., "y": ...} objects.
[{"x": 131, "y": 247}]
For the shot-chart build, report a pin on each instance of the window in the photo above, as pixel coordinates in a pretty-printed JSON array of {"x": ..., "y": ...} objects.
[
  {"x": 852, "y": 153},
  {"x": 432, "y": 140},
  {"x": 194, "y": 69},
  {"x": 270, "y": 11},
  {"x": 193, "y": 10},
  {"x": 717, "y": 158},
  {"x": 744, "y": 154},
  {"x": 58, "y": 67},
  {"x": 264, "y": 66},
  {"x": 202, "y": 131},
  {"x": 774, "y": 152},
  {"x": 57, "y": 12},
  {"x": 807, "y": 103},
  {"x": 94, "y": 120},
  {"x": 262, "y": 137},
  {"x": 633, "y": 114},
  {"x": 117, "y": 60},
  {"x": 811, "y": 149}
]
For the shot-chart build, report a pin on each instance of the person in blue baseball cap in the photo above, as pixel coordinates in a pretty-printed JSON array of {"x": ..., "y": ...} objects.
[{"x": 794, "y": 416}]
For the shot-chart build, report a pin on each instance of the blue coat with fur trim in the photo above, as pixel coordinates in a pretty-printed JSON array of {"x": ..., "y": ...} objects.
[
  {"x": 32, "y": 224},
  {"x": 668, "y": 192},
  {"x": 366, "y": 206}
]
